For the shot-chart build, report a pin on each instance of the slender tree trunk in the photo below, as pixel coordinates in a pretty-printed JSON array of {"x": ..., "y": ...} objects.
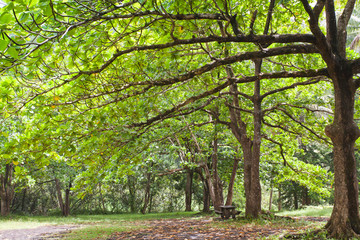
[
  {"x": 67, "y": 200},
  {"x": 210, "y": 186},
  {"x": 271, "y": 197},
  {"x": 23, "y": 200},
  {"x": 232, "y": 181},
  {"x": 102, "y": 198},
  {"x": 147, "y": 192},
  {"x": 59, "y": 196},
  {"x": 279, "y": 199},
  {"x": 218, "y": 187},
  {"x": 151, "y": 202},
  {"x": 6, "y": 189},
  {"x": 344, "y": 221},
  {"x": 295, "y": 195},
  {"x": 131, "y": 187},
  {"x": 206, "y": 192},
  {"x": 188, "y": 189}
]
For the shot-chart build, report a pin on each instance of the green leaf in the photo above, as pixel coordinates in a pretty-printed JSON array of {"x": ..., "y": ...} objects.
[
  {"x": 3, "y": 45},
  {"x": 5, "y": 18},
  {"x": 13, "y": 52},
  {"x": 17, "y": 169}
]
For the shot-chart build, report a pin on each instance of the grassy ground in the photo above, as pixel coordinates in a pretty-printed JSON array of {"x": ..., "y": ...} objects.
[
  {"x": 102, "y": 226},
  {"x": 310, "y": 211}
]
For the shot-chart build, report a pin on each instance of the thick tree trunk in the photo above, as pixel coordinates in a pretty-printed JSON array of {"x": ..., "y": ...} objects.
[
  {"x": 251, "y": 150},
  {"x": 188, "y": 189},
  {"x": 251, "y": 183},
  {"x": 232, "y": 181},
  {"x": 206, "y": 198},
  {"x": 306, "y": 201},
  {"x": 344, "y": 221}
]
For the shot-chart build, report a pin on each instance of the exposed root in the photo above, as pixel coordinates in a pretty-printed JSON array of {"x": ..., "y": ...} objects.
[{"x": 341, "y": 231}]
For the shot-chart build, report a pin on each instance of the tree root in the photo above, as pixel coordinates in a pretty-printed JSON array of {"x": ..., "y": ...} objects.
[{"x": 340, "y": 231}]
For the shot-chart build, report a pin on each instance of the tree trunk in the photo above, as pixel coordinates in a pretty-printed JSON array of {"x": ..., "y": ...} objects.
[
  {"x": 23, "y": 200},
  {"x": 206, "y": 192},
  {"x": 251, "y": 148},
  {"x": 206, "y": 198},
  {"x": 59, "y": 196},
  {"x": 188, "y": 189},
  {"x": 210, "y": 186},
  {"x": 279, "y": 199},
  {"x": 253, "y": 208},
  {"x": 131, "y": 187},
  {"x": 296, "y": 200},
  {"x": 67, "y": 200},
  {"x": 232, "y": 181},
  {"x": 67, "y": 203},
  {"x": 151, "y": 202},
  {"x": 102, "y": 198},
  {"x": 344, "y": 221},
  {"x": 306, "y": 201},
  {"x": 6, "y": 190},
  {"x": 218, "y": 187},
  {"x": 64, "y": 206},
  {"x": 270, "y": 198},
  {"x": 147, "y": 193}
]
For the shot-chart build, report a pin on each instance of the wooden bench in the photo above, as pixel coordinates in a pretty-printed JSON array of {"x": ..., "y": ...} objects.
[{"x": 226, "y": 211}]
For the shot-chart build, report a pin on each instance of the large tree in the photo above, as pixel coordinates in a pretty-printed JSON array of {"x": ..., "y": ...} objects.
[
  {"x": 146, "y": 61},
  {"x": 344, "y": 221}
]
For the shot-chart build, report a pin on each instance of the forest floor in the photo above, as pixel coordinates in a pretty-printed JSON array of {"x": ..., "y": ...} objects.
[
  {"x": 216, "y": 229},
  {"x": 198, "y": 227}
]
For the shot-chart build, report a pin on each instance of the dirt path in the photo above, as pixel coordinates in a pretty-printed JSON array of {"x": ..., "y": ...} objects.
[{"x": 38, "y": 233}]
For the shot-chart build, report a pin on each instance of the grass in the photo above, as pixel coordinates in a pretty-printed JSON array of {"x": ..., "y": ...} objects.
[
  {"x": 83, "y": 219},
  {"x": 310, "y": 211},
  {"x": 99, "y": 231}
]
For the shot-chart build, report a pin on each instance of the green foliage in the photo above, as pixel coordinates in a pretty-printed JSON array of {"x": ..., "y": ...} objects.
[{"x": 107, "y": 93}]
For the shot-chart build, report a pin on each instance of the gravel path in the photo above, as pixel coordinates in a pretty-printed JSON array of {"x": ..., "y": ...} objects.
[{"x": 38, "y": 233}]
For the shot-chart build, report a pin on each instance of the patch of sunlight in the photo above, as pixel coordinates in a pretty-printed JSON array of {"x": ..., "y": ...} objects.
[
  {"x": 7, "y": 225},
  {"x": 314, "y": 211}
]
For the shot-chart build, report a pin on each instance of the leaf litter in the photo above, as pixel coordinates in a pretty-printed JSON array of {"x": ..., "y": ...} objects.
[{"x": 200, "y": 228}]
